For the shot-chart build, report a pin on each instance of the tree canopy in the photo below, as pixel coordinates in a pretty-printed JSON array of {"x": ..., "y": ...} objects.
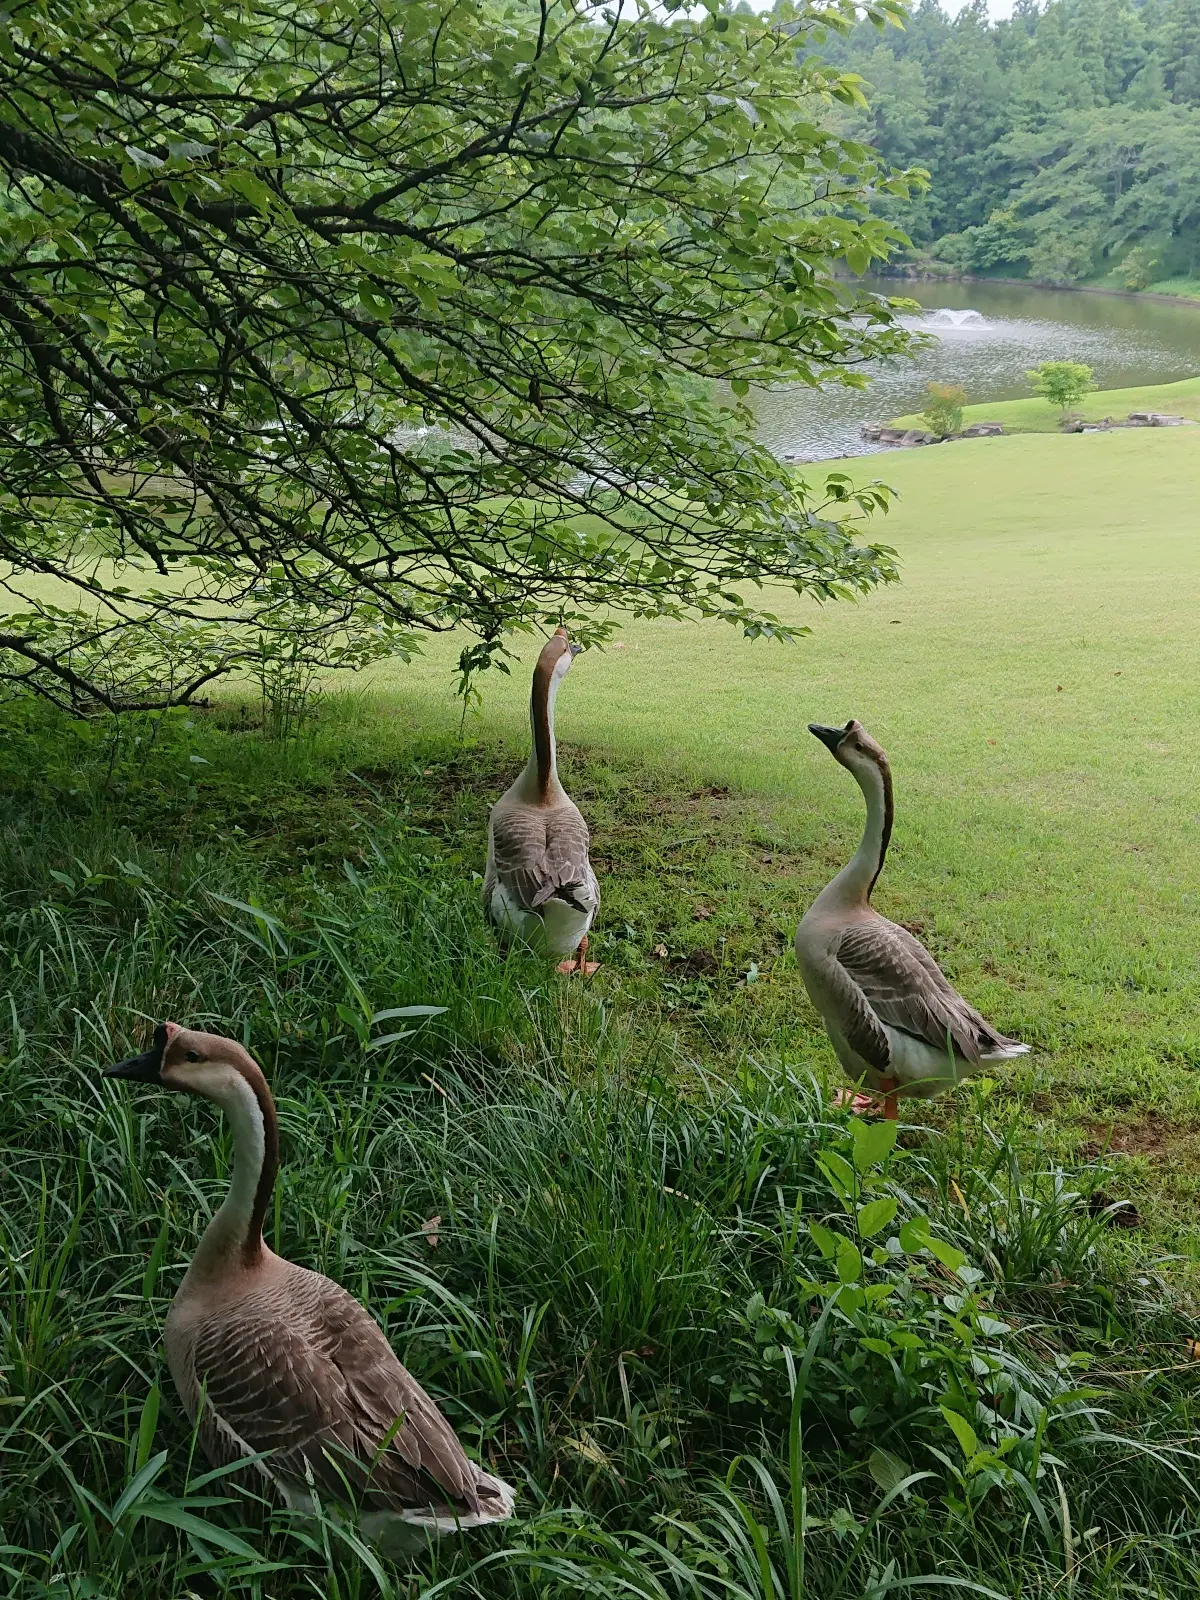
[
  {"x": 329, "y": 324},
  {"x": 1063, "y": 142}
]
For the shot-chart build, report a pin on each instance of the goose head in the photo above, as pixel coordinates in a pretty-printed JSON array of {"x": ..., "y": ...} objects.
[
  {"x": 554, "y": 663},
  {"x": 853, "y": 748},
  {"x": 195, "y": 1063},
  {"x": 222, "y": 1071}
]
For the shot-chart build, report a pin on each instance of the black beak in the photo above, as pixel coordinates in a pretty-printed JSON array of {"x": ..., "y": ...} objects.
[
  {"x": 829, "y": 737},
  {"x": 146, "y": 1068}
]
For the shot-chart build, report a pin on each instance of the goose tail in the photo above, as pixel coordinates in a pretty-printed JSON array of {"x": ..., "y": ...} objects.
[{"x": 1005, "y": 1050}]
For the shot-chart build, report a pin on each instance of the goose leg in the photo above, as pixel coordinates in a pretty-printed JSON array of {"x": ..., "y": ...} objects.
[
  {"x": 579, "y": 964},
  {"x": 891, "y": 1106}
]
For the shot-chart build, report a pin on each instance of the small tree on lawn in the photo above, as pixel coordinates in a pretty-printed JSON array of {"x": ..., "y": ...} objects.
[
  {"x": 1063, "y": 383},
  {"x": 943, "y": 413}
]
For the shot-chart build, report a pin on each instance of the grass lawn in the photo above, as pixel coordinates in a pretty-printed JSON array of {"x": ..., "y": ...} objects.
[
  {"x": 623, "y": 1171},
  {"x": 1036, "y": 415},
  {"x": 1186, "y": 288},
  {"x": 1032, "y": 679}
]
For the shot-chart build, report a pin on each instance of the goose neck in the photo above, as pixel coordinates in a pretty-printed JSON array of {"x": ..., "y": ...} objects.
[
  {"x": 543, "y": 763},
  {"x": 234, "y": 1237},
  {"x": 854, "y": 882}
]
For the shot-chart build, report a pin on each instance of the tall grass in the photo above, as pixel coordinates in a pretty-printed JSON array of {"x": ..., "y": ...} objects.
[{"x": 594, "y": 1251}]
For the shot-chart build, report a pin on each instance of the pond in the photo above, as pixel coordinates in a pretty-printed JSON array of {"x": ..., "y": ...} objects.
[{"x": 986, "y": 335}]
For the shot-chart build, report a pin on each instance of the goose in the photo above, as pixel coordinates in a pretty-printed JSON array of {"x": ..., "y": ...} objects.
[
  {"x": 892, "y": 1017},
  {"x": 269, "y": 1357},
  {"x": 539, "y": 887}
]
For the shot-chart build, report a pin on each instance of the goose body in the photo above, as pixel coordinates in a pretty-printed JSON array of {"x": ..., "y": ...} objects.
[
  {"x": 538, "y": 886},
  {"x": 893, "y": 1018},
  {"x": 271, "y": 1358}
]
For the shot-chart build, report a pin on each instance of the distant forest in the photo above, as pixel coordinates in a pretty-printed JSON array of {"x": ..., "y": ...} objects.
[{"x": 1063, "y": 144}]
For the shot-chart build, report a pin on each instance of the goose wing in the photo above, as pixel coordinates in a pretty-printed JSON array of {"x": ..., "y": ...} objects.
[
  {"x": 905, "y": 988},
  {"x": 856, "y": 1020},
  {"x": 539, "y": 852},
  {"x": 304, "y": 1372}
]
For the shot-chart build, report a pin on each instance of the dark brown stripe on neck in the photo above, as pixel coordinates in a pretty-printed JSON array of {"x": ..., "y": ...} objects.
[
  {"x": 888, "y": 813},
  {"x": 253, "y": 1245},
  {"x": 539, "y": 712}
]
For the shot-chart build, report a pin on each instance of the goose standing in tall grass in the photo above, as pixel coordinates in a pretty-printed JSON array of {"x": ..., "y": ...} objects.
[
  {"x": 269, "y": 1357},
  {"x": 539, "y": 887},
  {"x": 892, "y": 1017}
]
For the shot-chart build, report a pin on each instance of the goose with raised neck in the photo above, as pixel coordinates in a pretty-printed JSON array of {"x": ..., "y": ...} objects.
[
  {"x": 277, "y": 1362},
  {"x": 893, "y": 1018},
  {"x": 539, "y": 888}
]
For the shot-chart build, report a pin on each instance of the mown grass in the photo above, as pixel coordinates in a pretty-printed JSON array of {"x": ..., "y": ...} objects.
[
  {"x": 627, "y": 1288},
  {"x": 624, "y": 1290},
  {"x": 1034, "y": 415},
  {"x": 1032, "y": 679}
]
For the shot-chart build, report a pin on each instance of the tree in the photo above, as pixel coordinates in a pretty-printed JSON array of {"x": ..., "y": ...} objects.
[
  {"x": 329, "y": 324},
  {"x": 943, "y": 411},
  {"x": 1073, "y": 120},
  {"x": 1063, "y": 383},
  {"x": 1137, "y": 269}
]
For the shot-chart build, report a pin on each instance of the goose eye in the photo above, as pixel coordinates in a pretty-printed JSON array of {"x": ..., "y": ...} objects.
[{"x": 191, "y": 1055}]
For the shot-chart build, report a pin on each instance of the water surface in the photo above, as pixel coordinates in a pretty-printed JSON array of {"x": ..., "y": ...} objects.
[{"x": 985, "y": 337}]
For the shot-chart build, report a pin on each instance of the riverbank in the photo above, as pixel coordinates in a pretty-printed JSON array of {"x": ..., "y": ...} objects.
[
  {"x": 1186, "y": 294},
  {"x": 1034, "y": 415}
]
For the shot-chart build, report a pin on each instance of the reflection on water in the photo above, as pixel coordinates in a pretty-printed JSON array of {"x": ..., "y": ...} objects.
[{"x": 985, "y": 337}]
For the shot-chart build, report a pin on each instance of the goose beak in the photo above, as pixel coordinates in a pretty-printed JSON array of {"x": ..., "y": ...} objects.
[
  {"x": 829, "y": 737},
  {"x": 146, "y": 1068},
  {"x": 574, "y": 649}
]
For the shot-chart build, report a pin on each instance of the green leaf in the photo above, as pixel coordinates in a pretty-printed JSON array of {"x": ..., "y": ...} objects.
[
  {"x": 138, "y": 1485},
  {"x": 175, "y": 1517},
  {"x": 839, "y": 1172},
  {"x": 962, "y": 1431},
  {"x": 858, "y": 259},
  {"x": 949, "y": 1255},
  {"x": 873, "y": 1142},
  {"x": 150, "y": 1275},
  {"x": 825, "y": 1240},
  {"x": 408, "y": 1011},
  {"x": 147, "y": 1424},
  {"x": 849, "y": 1261},
  {"x": 888, "y": 1470},
  {"x": 390, "y": 1038},
  {"x": 875, "y": 1216}
]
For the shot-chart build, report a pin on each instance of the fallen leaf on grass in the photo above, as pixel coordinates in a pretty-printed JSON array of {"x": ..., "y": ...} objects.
[{"x": 430, "y": 1230}]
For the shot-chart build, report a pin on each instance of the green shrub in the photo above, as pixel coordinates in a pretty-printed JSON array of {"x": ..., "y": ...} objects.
[
  {"x": 1137, "y": 269},
  {"x": 943, "y": 413},
  {"x": 1063, "y": 383}
]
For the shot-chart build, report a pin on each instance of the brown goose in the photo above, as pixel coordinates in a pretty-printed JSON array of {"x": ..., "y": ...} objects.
[
  {"x": 273, "y": 1358},
  {"x": 892, "y": 1017},
  {"x": 538, "y": 886}
]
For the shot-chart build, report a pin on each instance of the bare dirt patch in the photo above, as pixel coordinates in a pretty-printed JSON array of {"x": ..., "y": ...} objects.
[{"x": 1157, "y": 1136}]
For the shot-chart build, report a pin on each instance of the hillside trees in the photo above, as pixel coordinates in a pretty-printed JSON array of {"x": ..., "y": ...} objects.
[
  {"x": 1060, "y": 141},
  {"x": 329, "y": 324}
]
